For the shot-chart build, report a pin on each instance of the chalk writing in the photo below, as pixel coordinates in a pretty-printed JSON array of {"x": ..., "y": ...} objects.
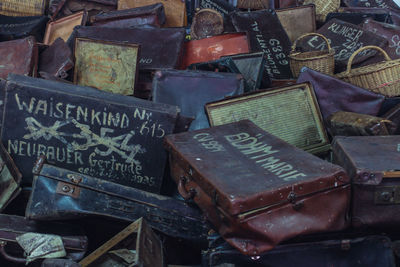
[
  {"x": 261, "y": 152},
  {"x": 395, "y": 43},
  {"x": 208, "y": 142}
]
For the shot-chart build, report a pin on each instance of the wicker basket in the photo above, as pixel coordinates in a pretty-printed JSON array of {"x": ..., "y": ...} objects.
[
  {"x": 23, "y": 7},
  {"x": 322, "y": 61},
  {"x": 382, "y": 77},
  {"x": 323, "y": 7}
]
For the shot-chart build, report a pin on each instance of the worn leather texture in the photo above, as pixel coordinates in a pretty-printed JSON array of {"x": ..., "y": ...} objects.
[
  {"x": 349, "y": 124},
  {"x": 336, "y": 95},
  {"x": 20, "y": 27},
  {"x": 19, "y": 57},
  {"x": 63, "y": 27},
  {"x": 366, "y": 159},
  {"x": 211, "y": 166},
  {"x": 56, "y": 60},
  {"x": 146, "y": 15},
  {"x": 160, "y": 47},
  {"x": 191, "y": 90},
  {"x": 89, "y": 196}
]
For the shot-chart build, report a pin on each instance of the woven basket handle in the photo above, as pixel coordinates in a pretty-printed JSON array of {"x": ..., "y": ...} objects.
[
  {"x": 350, "y": 62},
  {"x": 310, "y": 34}
]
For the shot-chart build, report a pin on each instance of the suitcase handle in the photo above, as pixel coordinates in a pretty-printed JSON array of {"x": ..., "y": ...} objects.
[
  {"x": 182, "y": 190},
  {"x": 9, "y": 257}
]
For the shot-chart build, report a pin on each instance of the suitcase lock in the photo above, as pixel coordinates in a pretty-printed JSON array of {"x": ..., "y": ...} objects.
[
  {"x": 292, "y": 199},
  {"x": 68, "y": 189}
]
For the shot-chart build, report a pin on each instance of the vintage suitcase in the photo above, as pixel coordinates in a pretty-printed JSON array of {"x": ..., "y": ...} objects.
[
  {"x": 252, "y": 67},
  {"x": 266, "y": 34},
  {"x": 349, "y": 124},
  {"x": 23, "y": 7},
  {"x": 297, "y": 20},
  {"x": 388, "y": 31},
  {"x": 108, "y": 66},
  {"x": 91, "y": 7},
  {"x": 61, "y": 194},
  {"x": 146, "y": 15},
  {"x": 20, "y": 27},
  {"x": 63, "y": 27},
  {"x": 59, "y": 263},
  {"x": 368, "y": 251},
  {"x": 12, "y": 227},
  {"x": 19, "y": 56},
  {"x": 56, "y": 60},
  {"x": 105, "y": 135},
  {"x": 160, "y": 48},
  {"x": 213, "y": 48},
  {"x": 358, "y": 17},
  {"x": 136, "y": 245},
  {"x": 372, "y": 162},
  {"x": 221, "y": 6},
  {"x": 214, "y": 166},
  {"x": 55, "y": 7},
  {"x": 345, "y": 38},
  {"x": 336, "y": 95},
  {"x": 290, "y": 113},
  {"x": 175, "y": 10},
  {"x": 224, "y": 64},
  {"x": 191, "y": 90},
  {"x": 10, "y": 178},
  {"x": 372, "y": 3},
  {"x": 394, "y": 115}
]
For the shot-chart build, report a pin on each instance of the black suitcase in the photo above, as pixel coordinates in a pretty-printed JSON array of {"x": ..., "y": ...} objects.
[
  {"x": 109, "y": 136},
  {"x": 61, "y": 194}
]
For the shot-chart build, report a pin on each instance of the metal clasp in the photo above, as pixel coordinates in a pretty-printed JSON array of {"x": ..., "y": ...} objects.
[
  {"x": 387, "y": 195},
  {"x": 72, "y": 190}
]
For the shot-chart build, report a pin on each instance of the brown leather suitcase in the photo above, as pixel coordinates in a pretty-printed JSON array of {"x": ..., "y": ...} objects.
[
  {"x": 297, "y": 20},
  {"x": 136, "y": 245},
  {"x": 146, "y": 15},
  {"x": 373, "y": 165},
  {"x": 175, "y": 10},
  {"x": 56, "y": 60},
  {"x": 350, "y": 123},
  {"x": 256, "y": 189},
  {"x": 212, "y": 48},
  {"x": 19, "y": 56},
  {"x": 63, "y": 27}
]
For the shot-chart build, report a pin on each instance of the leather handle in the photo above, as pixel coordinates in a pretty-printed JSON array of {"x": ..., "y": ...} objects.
[
  {"x": 9, "y": 257},
  {"x": 182, "y": 190},
  {"x": 350, "y": 62}
]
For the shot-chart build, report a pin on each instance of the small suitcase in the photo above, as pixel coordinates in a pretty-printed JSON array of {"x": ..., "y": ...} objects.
[
  {"x": 175, "y": 10},
  {"x": 336, "y": 95},
  {"x": 146, "y": 15},
  {"x": 367, "y": 251},
  {"x": 110, "y": 136},
  {"x": 191, "y": 90},
  {"x": 160, "y": 47},
  {"x": 21, "y": 27},
  {"x": 372, "y": 162},
  {"x": 290, "y": 113},
  {"x": 350, "y": 123},
  {"x": 256, "y": 189},
  {"x": 212, "y": 48},
  {"x": 266, "y": 34},
  {"x": 63, "y": 27},
  {"x": 136, "y": 245},
  {"x": 11, "y": 227},
  {"x": 19, "y": 56},
  {"x": 61, "y": 194}
]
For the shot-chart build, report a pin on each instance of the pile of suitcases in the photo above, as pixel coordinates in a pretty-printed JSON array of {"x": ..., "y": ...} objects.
[{"x": 199, "y": 133}]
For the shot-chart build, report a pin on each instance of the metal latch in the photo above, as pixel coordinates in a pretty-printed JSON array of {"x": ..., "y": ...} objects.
[
  {"x": 387, "y": 195},
  {"x": 72, "y": 190}
]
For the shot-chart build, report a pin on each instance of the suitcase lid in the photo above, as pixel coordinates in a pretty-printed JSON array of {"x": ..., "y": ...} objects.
[
  {"x": 245, "y": 169},
  {"x": 368, "y": 159}
]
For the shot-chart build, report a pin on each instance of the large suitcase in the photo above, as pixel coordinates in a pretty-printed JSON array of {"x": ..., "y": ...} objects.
[
  {"x": 256, "y": 189},
  {"x": 266, "y": 34},
  {"x": 11, "y": 227},
  {"x": 110, "y": 136},
  {"x": 290, "y": 113},
  {"x": 191, "y": 90},
  {"x": 373, "y": 165},
  {"x": 160, "y": 48},
  {"x": 367, "y": 251},
  {"x": 21, "y": 27},
  {"x": 61, "y": 194}
]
